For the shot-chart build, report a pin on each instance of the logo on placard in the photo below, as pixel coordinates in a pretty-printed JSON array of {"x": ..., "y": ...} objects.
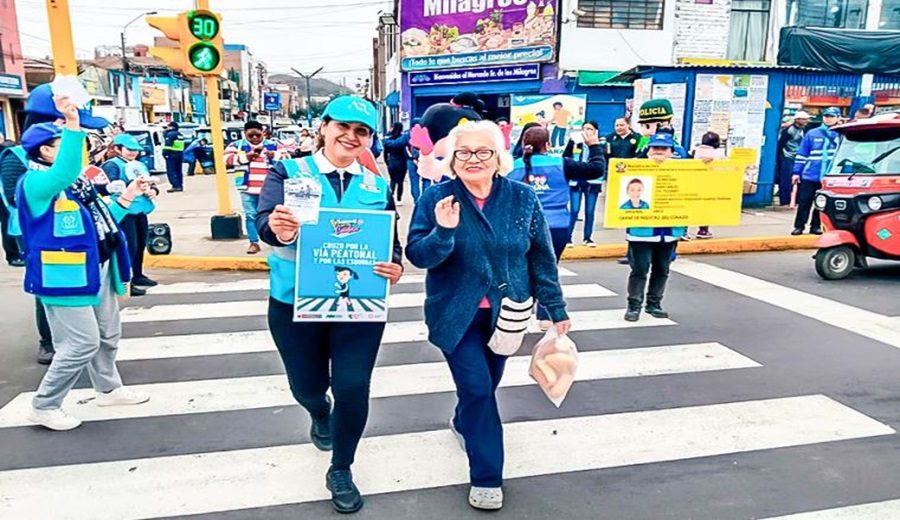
[{"x": 345, "y": 227}]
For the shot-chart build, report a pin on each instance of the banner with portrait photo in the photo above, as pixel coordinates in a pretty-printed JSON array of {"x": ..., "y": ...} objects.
[
  {"x": 644, "y": 193},
  {"x": 335, "y": 278},
  {"x": 560, "y": 114}
]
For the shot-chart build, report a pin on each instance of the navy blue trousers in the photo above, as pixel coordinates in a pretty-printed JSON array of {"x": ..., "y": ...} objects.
[
  {"x": 477, "y": 372},
  {"x": 173, "y": 171},
  {"x": 321, "y": 355}
]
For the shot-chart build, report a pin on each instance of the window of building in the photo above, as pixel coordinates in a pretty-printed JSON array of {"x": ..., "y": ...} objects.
[
  {"x": 749, "y": 30},
  {"x": 890, "y": 15},
  {"x": 2, "y": 56},
  {"x": 621, "y": 14},
  {"x": 840, "y": 14}
]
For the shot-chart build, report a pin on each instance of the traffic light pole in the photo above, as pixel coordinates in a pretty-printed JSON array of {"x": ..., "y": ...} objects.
[
  {"x": 218, "y": 142},
  {"x": 61, "y": 41}
]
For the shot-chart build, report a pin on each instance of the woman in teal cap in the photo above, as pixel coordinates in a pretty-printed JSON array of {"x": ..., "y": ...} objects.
[
  {"x": 319, "y": 355},
  {"x": 121, "y": 170},
  {"x": 76, "y": 263}
]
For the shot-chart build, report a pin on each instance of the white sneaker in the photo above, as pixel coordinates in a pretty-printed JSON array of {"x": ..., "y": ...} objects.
[
  {"x": 54, "y": 419},
  {"x": 486, "y": 498},
  {"x": 569, "y": 244},
  {"x": 121, "y": 396},
  {"x": 459, "y": 438},
  {"x": 545, "y": 325}
]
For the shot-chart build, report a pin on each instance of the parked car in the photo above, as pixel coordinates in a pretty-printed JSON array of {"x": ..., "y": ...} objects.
[{"x": 151, "y": 138}]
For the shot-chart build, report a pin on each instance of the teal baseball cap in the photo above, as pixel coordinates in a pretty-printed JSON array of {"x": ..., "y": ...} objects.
[
  {"x": 352, "y": 109},
  {"x": 128, "y": 142}
]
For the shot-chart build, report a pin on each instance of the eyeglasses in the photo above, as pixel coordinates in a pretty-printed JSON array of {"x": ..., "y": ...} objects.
[
  {"x": 464, "y": 155},
  {"x": 254, "y": 134}
]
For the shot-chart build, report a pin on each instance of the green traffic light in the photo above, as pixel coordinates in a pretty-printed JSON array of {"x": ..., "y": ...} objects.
[
  {"x": 204, "y": 26},
  {"x": 204, "y": 57}
]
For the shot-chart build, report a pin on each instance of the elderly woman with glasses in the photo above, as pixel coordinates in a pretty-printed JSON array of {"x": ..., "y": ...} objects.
[{"x": 483, "y": 238}]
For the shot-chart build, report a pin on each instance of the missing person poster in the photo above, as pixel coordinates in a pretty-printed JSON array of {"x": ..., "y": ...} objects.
[
  {"x": 335, "y": 266},
  {"x": 644, "y": 193}
]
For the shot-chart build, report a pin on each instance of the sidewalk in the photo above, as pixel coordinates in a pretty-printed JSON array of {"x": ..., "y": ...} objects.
[{"x": 188, "y": 214}]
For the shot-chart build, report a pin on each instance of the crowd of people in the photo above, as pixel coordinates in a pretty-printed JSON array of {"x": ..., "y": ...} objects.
[{"x": 489, "y": 229}]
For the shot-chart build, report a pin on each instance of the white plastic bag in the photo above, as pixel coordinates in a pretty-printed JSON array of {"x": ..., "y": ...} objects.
[{"x": 553, "y": 364}]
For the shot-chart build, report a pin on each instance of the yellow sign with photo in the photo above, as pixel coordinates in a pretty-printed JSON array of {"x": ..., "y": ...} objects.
[{"x": 689, "y": 192}]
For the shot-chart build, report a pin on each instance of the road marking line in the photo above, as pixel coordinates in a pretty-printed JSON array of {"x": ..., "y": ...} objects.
[
  {"x": 219, "y": 395},
  {"x": 887, "y": 510},
  {"x": 233, "y": 309},
  {"x": 259, "y": 477},
  {"x": 221, "y": 343},
  {"x": 262, "y": 284},
  {"x": 865, "y": 323}
]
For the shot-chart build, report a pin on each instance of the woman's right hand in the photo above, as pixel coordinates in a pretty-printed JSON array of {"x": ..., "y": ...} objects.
[
  {"x": 69, "y": 110},
  {"x": 284, "y": 224},
  {"x": 446, "y": 212}
]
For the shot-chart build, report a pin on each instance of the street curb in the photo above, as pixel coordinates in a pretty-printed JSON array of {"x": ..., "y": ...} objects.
[
  {"x": 694, "y": 247},
  {"x": 715, "y": 246}
]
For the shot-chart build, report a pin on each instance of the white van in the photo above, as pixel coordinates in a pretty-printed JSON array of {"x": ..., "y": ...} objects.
[{"x": 151, "y": 138}]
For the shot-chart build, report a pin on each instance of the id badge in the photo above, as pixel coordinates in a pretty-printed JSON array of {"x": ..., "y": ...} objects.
[
  {"x": 67, "y": 221},
  {"x": 303, "y": 196}
]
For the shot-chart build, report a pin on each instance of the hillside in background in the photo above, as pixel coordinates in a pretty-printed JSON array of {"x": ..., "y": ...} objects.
[{"x": 319, "y": 86}]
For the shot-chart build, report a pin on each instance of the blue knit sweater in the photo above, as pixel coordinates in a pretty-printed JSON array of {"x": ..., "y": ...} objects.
[{"x": 462, "y": 269}]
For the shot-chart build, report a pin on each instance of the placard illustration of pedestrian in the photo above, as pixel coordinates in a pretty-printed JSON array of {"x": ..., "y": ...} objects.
[{"x": 342, "y": 287}]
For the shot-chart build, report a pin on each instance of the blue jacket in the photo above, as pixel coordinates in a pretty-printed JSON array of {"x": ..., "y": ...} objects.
[
  {"x": 16, "y": 153},
  {"x": 816, "y": 150},
  {"x": 170, "y": 149},
  {"x": 395, "y": 150},
  {"x": 550, "y": 178},
  {"x": 462, "y": 269}
]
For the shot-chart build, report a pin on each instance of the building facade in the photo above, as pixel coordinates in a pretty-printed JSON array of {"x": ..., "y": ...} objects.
[{"x": 12, "y": 71}]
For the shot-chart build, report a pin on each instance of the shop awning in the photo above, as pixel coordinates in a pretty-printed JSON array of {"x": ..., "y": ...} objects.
[
  {"x": 593, "y": 78},
  {"x": 392, "y": 99},
  {"x": 841, "y": 50}
]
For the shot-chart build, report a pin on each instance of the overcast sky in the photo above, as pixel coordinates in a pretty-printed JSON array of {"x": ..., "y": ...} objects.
[{"x": 304, "y": 34}]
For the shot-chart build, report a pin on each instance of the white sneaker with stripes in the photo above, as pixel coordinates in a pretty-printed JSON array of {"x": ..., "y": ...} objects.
[
  {"x": 122, "y": 396},
  {"x": 489, "y": 498}
]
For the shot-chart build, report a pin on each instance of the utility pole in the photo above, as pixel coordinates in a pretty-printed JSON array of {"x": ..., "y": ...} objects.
[
  {"x": 308, "y": 78},
  {"x": 124, "y": 58}
]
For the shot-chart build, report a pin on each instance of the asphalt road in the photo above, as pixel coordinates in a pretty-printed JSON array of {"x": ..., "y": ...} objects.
[{"x": 769, "y": 393}]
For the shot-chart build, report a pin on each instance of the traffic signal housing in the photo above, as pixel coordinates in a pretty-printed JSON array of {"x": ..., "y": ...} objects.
[{"x": 199, "y": 49}]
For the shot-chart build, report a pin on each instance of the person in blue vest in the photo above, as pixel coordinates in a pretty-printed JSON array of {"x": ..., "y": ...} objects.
[
  {"x": 120, "y": 171},
  {"x": 173, "y": 151},
  {"x": 485, "y": 243},
  {"x": 76, "y": 263},
  {"x": 317, "y": 356},
  {"x": 39, "y": 108},
  {"x": 550, "y": 178},
  {"x": 579, "y": 189},
  {"x": 810, "y": 164},
  {"x": 651, "y": 250}
]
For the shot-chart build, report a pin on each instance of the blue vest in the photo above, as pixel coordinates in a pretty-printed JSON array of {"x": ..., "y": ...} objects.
[
  {"x": 14, "y": 229},
  {"x": 367, "y": 191},
  {"x": 548, "y": 179},
  {"x": 63, "y": 254},
  {"x": 141, "y": 205}
]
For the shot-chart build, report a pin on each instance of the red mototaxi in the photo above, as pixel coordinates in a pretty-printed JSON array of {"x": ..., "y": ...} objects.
[{"x": 860, "y": 198}]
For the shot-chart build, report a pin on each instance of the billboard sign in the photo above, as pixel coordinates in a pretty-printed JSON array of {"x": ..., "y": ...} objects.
[{"x": 441, "y": 34}]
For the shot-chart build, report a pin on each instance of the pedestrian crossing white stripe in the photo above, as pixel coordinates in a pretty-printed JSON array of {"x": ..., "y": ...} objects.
[
  {"x": 259, "y": 477},
  {"x": 865, "y": 323},
  {"x": 887, "y": 510},
  {"x": 219, "y": 395},
  {"x": 232, "y": 309},
  {"x": 244, "y": 342},
  {"x": 262, "y": 284}
]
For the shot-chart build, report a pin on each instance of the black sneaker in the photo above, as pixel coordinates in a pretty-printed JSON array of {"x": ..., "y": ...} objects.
[
  {"x": 797, "y": 231},
  {"x": 633, "y": 314},
  {"x": 345, "y": 497},
  {"x": 656, "y": 311},
  {"x": 16, "y": 262},
  {"x": 174, "y": 190},
  {"x": 137, "y": 291},
  {"x": 815, "y": 231},
  {"x": 44, "y": 356},
  {"x": 623, "y": 261},
  {"x": 320, "y": 431},
  {"x": 143, "y": 281}
]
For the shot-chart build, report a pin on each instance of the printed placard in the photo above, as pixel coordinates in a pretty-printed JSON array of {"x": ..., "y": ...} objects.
[
  {"x": 335, "y": 275},
  {"x": 644, "y": 193}
]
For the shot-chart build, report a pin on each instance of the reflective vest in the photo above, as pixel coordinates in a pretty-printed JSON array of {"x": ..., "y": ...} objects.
[
  {"x": 366, "y": 191},
  {"x": 548, "y": 179},
  {"x": 141, "y": 204},
  {"x": 63, "y": 256},
  {"x": 14, "y": 229}
]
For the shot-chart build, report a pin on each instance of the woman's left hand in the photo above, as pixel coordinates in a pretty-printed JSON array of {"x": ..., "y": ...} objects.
[
  {"x": 135, "y": 188},
  {"x": 562, "y": 327},
  {"x": 389, "y": 270}
]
